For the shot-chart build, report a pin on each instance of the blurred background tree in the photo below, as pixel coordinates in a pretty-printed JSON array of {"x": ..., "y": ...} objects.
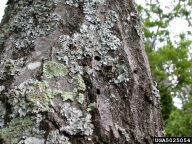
[{"x": 170, "y": 60}]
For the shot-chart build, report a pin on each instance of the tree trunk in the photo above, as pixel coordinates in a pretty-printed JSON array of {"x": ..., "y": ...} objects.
[{"x": 76, "y": 72}]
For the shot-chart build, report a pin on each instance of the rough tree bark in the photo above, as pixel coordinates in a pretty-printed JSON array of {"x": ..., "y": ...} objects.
[{"x": 75, "y": 71}]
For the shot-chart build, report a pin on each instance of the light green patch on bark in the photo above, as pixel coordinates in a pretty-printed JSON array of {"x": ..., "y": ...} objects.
[
  {"x": 67, "y": 96},
  {"x": 112, "y": 95},
  {"x": 29, "y": 59},
  {"x": 41, "y": 94},
  {"x": 75, "y": 90},
  {"x": 51, "y": 69},
  {"x": 16, "y": 128},
  {"x": 64, "y": 95},
  {"x": 81, "y": 98},
  {"x": 70, "y": 81},
  {"x": 80, "y": 82},
  {"x": 91, "y": 106}
]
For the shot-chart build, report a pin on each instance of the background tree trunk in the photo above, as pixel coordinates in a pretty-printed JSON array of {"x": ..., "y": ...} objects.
[{"x": 76, "y": 72}]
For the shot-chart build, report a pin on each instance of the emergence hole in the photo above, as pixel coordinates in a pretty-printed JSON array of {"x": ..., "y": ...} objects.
[
  {"x": 97, "y": 58},
  {"x": 135, "y": 71},
  {"x": 84, "y": 64},
  {"x": 108, "y": 68},
  {"x": 98, "y": 91}
]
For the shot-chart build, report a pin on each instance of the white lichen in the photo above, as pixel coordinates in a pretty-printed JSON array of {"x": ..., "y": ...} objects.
[
  {"x": 32, "y": 140},
  {"x": 76, "y": 121},
  {"x": 11, "y": 67},
  {"x": 36, "y": 132},
  {"x": 2, "y": 87},
  {"x": 17, "y": 96},
  {"x": 26, "y": 23},
  {"x": 37, "y": 107},
  {"x": 155, "y": 91},
  {"x": 55, "y": 137},
  {"x": 123, "y": 131},
  {"x": 93, "y": 37}
]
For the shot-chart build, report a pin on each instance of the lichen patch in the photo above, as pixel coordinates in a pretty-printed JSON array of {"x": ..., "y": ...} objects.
[
  {"x": 52, "y": 69},
  {"x": 17, "y": 128},
  {"x": 80, "y": 82},
  {"x": 41, "y": 94}
]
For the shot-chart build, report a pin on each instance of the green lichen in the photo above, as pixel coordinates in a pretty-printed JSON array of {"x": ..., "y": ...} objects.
[
  {"x": 75, "y": 90},
  {"x": 91, "y": 106},
  {"x": 81, "y": 98},
  {"x": 56, "y": 92},
  {"x": 80, "y": 82},
  {"x": 17, "y": 127},
  {"x": 112, "y": 95},
  {"x": 29, "y": 59},
  {"x": 2, "y": 36},
  {"x": 11, "y": 67},
  {"x": 4, "y": 31},
  {"x": 70, "y": 81},
  {"x": 64, "y": 95},
  {"x": 41, "y": 94},
  {"x": 67, "y": 96},
  {"x": 51, "y": 69}
]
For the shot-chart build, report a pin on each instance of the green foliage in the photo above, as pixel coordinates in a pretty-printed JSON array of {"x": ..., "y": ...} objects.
[
  {"x": 169, "y": 62},
  {"x": 180, "y": 121},
  {"x": 166, "y": 102}
]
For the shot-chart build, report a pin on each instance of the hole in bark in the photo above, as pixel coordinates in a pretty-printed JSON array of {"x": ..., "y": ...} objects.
[
  {"x": 97, "y": 58},
  {"x": 98, "y": 91},
  {"x": 84, "y": 64},
  {"x": 108, "y": 68},
  {"x": 135, "y": 71}
]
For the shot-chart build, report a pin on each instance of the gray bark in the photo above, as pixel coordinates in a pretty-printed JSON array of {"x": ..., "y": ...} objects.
[{"x": 76, "y": 71}]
